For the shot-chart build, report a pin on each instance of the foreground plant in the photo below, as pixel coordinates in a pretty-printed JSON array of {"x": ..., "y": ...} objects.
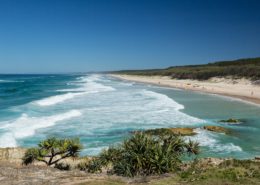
[
  {"x": 144, "y": 154},
  {"x": 52, "y": 150}
]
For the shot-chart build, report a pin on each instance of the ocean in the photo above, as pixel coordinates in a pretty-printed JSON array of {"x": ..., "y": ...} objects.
[{"x": 102, "y": 111}]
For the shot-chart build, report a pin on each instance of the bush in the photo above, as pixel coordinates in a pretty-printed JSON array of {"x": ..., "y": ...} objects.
[
  {"x": 52, "y": 150},
  {"x": 82, "y": 166},
  {"x": 94, "y": 166},
  {"x": 62, "y": 166},
  {"x": 143, "y": 154}
]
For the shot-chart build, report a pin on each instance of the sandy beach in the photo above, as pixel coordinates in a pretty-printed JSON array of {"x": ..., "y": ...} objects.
[{"x": 236, "y": 88}]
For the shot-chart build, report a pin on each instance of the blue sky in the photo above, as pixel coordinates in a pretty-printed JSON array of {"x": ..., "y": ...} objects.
[{"x": 42, "y": 36}]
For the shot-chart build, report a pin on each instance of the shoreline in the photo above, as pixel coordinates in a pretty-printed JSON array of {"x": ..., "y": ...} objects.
[{"x": 240, "y": 89}]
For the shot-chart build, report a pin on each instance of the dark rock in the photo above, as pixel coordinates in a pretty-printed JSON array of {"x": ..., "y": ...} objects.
[
  {"x": 230, "y": 120},
  {"x": 216, "y": 129}
]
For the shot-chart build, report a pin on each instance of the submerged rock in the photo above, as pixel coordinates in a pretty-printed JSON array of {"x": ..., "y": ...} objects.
[{"x": 216, "y": 129}]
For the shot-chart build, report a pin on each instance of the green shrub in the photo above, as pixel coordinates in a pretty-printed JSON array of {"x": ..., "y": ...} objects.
[
  {"x": 62, "y": 166},
  {"x": 94, "y": 166},
  {"x": 82, "y": 166},
  {"x": 143, "y": 154},
  {"x": 52, "y": 150}
]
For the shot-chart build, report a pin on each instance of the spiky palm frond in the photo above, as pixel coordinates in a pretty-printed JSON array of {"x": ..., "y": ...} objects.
[
  {"x": 192, "y": 148},
  {"x": 52, "y": 150}
]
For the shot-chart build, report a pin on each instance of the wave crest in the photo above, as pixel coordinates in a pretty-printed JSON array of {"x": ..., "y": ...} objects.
[
  {"x": 26, "y": 126},
  {"x": 88, "y": 85}
]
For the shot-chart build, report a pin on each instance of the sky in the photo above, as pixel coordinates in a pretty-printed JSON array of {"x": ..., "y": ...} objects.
[{"x": 59, "y": 36}]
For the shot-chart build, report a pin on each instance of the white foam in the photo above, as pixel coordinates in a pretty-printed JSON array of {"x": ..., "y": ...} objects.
[
  {"x": 90, "y": 83},
  {"x": 26, "y": 126},
  {"x": 57, "y": 99},
  {"x": 90, "y": 88},
  {"x": 94, "y": 77},
  {"x": 163, "y": 100},
  {"x": 208, "y": 139},
  {"x": 87, "y": 84},
  {"x": 71, "y": 90},
  {"x": 138, "y": 109},
  {"x": 127, "y": 83},
  {"x": 7, "y": 140},
  {"x": 166, "y": 111},
  {"x": 94, "y": 86}
]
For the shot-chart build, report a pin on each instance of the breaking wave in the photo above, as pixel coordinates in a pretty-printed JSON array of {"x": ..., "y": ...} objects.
[
  {"x": 26, "y": 126},
  {"x": 88, "y": 84}
]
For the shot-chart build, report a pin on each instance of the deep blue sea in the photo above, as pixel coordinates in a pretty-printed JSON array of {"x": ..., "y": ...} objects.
[{"x": 102, "y": 110}]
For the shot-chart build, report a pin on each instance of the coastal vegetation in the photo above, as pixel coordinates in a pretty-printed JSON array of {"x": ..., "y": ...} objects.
[
  {"x": 206, "y": 171},
  {"x": 242, "y": 68},
  {"x": 146, "y": 158},
  {"x": 230, "y": 171},
  {"x": 143, "y": 155},
  {"x": 52, "y": 150}
]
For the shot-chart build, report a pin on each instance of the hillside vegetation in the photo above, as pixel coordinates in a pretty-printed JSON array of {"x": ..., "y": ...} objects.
[{"x": 247, "y": 68}]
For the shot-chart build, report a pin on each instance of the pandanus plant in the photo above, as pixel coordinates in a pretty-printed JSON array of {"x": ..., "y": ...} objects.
[
  {"x": 144, "y": 154},
  {"x": 52, "y": 150}
]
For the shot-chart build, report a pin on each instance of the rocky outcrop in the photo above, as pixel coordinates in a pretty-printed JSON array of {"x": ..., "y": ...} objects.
[
  {"x": 205, "y": 163},
  {"x": 231, "y": 121},
  {"x": 216, "y": 129},
  {"x": 176, "y": 131},
  {"x": 183, "y": 131},
  {"x": 13, "y": 155}
]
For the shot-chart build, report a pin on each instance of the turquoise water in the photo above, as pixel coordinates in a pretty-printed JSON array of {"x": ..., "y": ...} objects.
[{"x": 102, "y": 110}]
